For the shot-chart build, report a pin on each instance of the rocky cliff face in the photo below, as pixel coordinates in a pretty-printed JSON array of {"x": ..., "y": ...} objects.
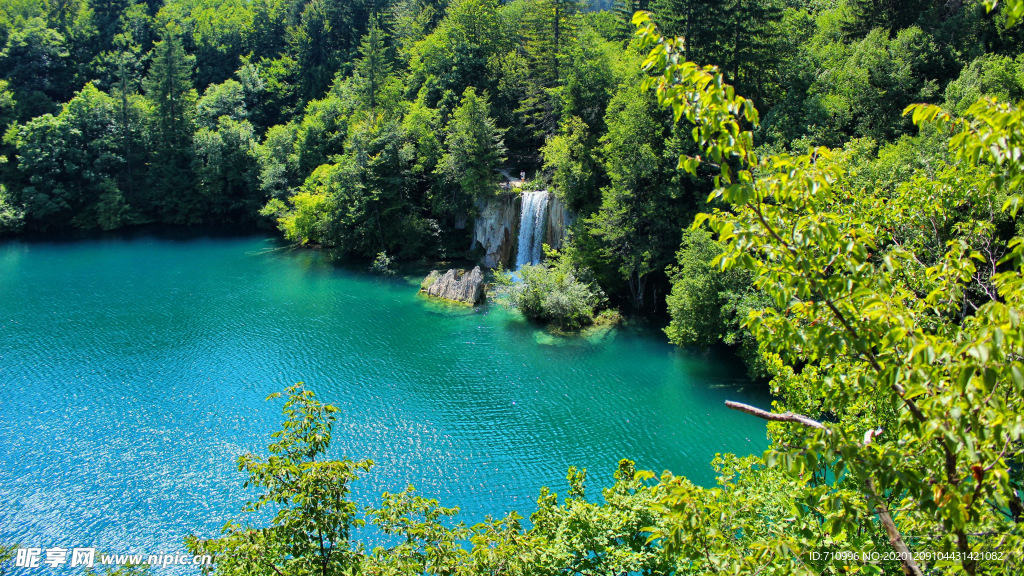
[
  {"x": 495, "y": 228},
  {"x": 558, "y": 220},
  {"x": 457, "y": 285}
]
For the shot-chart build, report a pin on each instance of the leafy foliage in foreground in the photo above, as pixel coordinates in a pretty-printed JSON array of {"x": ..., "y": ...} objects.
[
  {"x": 311, "y": 531},
  {"x": 907, "y": 371}
]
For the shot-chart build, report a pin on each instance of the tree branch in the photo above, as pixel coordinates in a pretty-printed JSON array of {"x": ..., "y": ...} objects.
[
  {"x": 784, "y": 417},
  {"x": 910, "y": 567}
]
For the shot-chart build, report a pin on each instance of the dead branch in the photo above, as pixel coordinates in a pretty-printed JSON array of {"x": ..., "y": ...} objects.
[{"x": 784, "y": 417}]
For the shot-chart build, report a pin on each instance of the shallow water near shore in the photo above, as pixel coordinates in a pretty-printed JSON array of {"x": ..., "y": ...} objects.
[{"x": 134, "y": 371}]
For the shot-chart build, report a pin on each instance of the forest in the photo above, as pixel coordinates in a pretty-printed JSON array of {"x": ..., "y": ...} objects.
[
  {"x": 829, "y": 186},
  {"x": 375, "y": 127}
]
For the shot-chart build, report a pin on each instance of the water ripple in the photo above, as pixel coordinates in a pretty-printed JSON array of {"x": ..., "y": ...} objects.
[{"x": 133, "y": 374}]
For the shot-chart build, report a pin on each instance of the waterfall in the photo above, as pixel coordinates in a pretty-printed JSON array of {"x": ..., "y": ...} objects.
[{"x": 532, "y": 226}]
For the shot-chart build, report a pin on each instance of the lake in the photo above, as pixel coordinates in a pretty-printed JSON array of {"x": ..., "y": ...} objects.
[{"x": 134, "y": 371}]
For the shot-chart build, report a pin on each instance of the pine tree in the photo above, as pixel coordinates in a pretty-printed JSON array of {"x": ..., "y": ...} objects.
[
  {"x": 374, "y": 64},
  {"x": 735, "y": 35},
  {"x": 311, "y": 41},
  {"x": 699, "y": 22},
  {"x": 168, "y": 87},
  {"x": 749, "y": 44},
  {"x": 106, "y": 16},
  {"x": 866, "y": 15},
  {"x": 474, "y": 150},
  {"x": 548, "y": 29},
  {"x": 63, "y": 14},
  {"x": 624, "y": 10}
]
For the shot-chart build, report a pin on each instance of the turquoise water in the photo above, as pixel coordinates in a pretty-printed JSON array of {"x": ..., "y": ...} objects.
[{"x": 133, "y": 371}]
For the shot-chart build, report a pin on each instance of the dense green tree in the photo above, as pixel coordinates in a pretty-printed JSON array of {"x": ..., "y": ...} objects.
[
  {"x": 591, "y": 76},
  {"x": 901, "y": 391},
  {"x": 224, "y": 99},
  {"x": 225, "y": 168},
  {"x": 324, "y": 128},
  {"x": 513, "y": 73},
  {"x": 575, "y": 171},
  {"x": 70, "y": 163},
  {"x": 122, "y": 57},
  {"x": 372, "y": 195},
  {"x": 866, "y": 15},
  {"x": 698, "y": 22},
  {"x": 422, "y": 127},
  {"x": 271, "y": 90},
  {"x": 866, "y": 85},
  {"x": 456, "y": 54},
  {"x": 8, "y": 168},
  {"x": 624, "y": 10},
  {"x": 220, "y": 32},
  {"x": 359, "y": 203},
  {"x": 169, "y": 89},
  {"x": 137, "y": 25},
  {"x": 549, "y": 29},
  {"x": 473, "y": 152},
  {"x": 73, "y": 19},
  {"x": 636, "y": 225},
  {"x": 989, "y": 75},
  {"x": 708, "y": 305},
  {"x": 169, "y": 82},
  {"x": 412, "y": 20},
  {"x": 12, "y": 217},
  {"x": 304, "y": 217},
  {"x": 373, "y": 66},
  {"x": 310, "y": 40},
  {"x": 750, "y": 44},
  {"x": 739, "y": 36},
  {"x": 269, "y": 23},
  {"x": 121, "y": 67},
  {"x": 34, "y": 62},
  {"x": 879, "y": 72},
  {"x": 277, "y": 162},
  {"x": 7, "y": 104},
  {"x": 106, "y": 17},
  {"x": 132, "y": 119}
]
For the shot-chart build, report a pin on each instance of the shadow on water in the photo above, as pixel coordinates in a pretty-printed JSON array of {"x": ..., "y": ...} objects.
[{"x": 164, "y": 232}]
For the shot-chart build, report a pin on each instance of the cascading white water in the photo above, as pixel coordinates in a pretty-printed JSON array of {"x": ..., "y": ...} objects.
[{"x": 531, "y": 228}]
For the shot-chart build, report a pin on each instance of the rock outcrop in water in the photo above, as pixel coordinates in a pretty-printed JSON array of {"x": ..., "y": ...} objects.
[
  {"x": 456, "y": 285},
  {"x": 494, "y": 229}
]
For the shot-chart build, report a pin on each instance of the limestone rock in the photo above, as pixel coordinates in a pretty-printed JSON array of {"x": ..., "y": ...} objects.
[
  {"x": 558, "y": 221},
  {"x": 457, "y": 285},
  {"x": 494, "y": 229}
]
